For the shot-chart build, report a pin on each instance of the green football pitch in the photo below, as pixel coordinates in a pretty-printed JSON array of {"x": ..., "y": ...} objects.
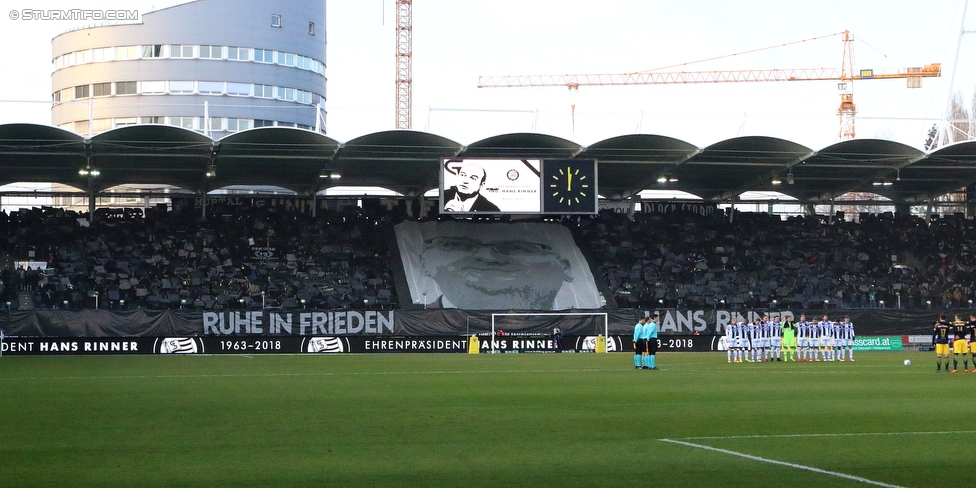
[{"x": 484, "y": 420}]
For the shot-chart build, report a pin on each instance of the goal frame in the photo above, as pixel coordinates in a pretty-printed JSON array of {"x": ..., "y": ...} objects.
[{"x": 606, "y": 321}]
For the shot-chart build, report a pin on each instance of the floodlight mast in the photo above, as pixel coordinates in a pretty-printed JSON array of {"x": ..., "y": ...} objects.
[
  {"x": 845, "y": 76},
  {"x": 404, "y": 69}
]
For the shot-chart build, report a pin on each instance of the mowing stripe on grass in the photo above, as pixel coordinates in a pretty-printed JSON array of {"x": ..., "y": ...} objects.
[
  {"x": 782, "y": 463},
  {"x": 324, "y": 373},
  {"x": 841, "y": 434}
]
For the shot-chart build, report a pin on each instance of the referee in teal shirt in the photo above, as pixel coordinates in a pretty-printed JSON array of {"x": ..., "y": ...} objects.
[{"x": 652, "y": 341}]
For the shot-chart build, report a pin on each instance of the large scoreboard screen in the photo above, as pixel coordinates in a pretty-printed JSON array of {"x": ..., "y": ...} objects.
[{"x": 518, "y": 186}]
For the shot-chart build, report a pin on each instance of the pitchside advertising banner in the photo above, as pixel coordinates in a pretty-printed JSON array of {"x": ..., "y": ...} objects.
[
  {"x": 40, "y": 346},
  {"x": 402, "y": 331},
  {"x": 878, "y": 344}
]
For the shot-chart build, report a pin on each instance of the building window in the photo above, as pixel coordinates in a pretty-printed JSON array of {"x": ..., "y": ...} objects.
[
  {"x": 101, "y": 125},
  {"x": 126, "y": 88},
  {"x": 239, "y": 89},
  {"x": 239, "y": 53},
  {"x": 234, "y": 124},
  {"x": 210, "y": 87},
  {"x": 264, "y": 55},
  {"x": 286, "y": 94},
  {"x": 286, "y": 59},
  {"x": 102, "y": 89},
  {"x": 82, "y": 91},
  {"x": 184, "y": 122},
  {"x": 311, "y": 28},
  {"x": 103, "y": 54},
  {"x": 126, "y": 52},
  {"x": 56, "y": 96},
  {"x": 151, "y": 120},
  {"x": 263, "y": 91},
  {"x": 216, "y": 123},
  {"x": 181, "y": 87},
  {"x": 152, "y": 51},
  {"x": 125, "y": 121},
  {"x": 286, "y": 124},
  {"x": 275, "y": 20},
  {"x": 211, "y": 52},
  {"x": 82, "y": 57},
  {"x": 153, "y": 87},
  {"x": 263, "y": 123},
  {"x": 181, "y": 51}
]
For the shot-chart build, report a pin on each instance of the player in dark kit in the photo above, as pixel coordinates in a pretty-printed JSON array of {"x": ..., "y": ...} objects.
[
  {"x": 972, "y": 338},
  {"x": 940, "y": 339},
  {"x": 960, "y": 346}
]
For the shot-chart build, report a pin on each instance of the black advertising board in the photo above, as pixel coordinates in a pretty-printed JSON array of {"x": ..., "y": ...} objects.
[{"x": 40, "y": 346}]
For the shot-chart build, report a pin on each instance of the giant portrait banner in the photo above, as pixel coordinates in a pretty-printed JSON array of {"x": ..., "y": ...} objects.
[{"x": 495, "y": 266}]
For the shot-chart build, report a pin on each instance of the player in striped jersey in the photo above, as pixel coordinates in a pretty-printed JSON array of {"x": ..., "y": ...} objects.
[
  {"x": 803, "y": 338},
  {"x": 775, "y": 339},
  {"x": 763, "y": 326},
  {"x": 814, "y": 341},
  {"x": 743, "y": 335},
  {"x": 755, "y": 343},
  {"x": 837, "y": 352},
  {"x": 730, "y": 340},
  {"x": 826, "y": 338},
  {"x": 847, "y": 338}
]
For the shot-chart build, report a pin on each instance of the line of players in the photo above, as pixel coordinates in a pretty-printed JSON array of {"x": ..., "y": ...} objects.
[
  {"x": 770, "y": 340},
  {"x": 963, "y": 337}
]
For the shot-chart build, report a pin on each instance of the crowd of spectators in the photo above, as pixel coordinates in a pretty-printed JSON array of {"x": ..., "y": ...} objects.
[
  {"x": 756, "y": 260},
  {"x": 238, "y": 258},
  {"x": 273, "y": 257}
]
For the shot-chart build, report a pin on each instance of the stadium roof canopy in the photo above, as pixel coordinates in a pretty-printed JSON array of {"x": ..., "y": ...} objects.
[{"x": 409, "y": 162}]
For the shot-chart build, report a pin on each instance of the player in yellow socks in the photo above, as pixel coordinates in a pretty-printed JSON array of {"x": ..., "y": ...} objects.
[
  {"x": 940, "y": 339},
  {"x": 960, "y": 347}
]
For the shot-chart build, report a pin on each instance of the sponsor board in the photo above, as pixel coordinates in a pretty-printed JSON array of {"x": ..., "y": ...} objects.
[
  {"x": 326, "y": 344},
  {"x": 42, "y": 346},
  {"x": 893, "y": 343}
]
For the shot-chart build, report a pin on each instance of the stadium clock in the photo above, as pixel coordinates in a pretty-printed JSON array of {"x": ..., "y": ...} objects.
[{"x": 569, "y": 186}]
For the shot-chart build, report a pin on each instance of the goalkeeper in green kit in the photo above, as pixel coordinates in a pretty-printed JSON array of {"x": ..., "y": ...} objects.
[{"x": 788, "y": 329}]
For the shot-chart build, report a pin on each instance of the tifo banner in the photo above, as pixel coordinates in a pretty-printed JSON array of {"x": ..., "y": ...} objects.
[
  {"x": 418, "y": 323},
  {"x": 495, "y": 266},
  {"x": 878, "y": 344}
]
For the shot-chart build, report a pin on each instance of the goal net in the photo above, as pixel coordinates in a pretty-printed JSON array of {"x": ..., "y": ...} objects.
[{"x": 545, "y": 323}]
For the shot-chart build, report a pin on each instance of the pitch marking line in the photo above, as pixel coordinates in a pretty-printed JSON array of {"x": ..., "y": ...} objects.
[{"x": 782, "y": 463}]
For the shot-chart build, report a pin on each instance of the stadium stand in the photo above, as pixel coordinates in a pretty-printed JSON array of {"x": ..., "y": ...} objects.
[{"x": 246, "y": 258}]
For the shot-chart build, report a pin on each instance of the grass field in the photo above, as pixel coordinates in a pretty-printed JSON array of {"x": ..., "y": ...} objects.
[{"x": 486, "y": 420}]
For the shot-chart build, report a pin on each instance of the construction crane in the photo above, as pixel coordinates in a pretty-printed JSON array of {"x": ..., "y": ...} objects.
[
  {"x": 404, "y": 69},
  {"x": 844, "y": 76}
]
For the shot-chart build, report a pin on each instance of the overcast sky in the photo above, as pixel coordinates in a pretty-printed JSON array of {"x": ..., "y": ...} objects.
[{"x": 456, "y": 41}]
